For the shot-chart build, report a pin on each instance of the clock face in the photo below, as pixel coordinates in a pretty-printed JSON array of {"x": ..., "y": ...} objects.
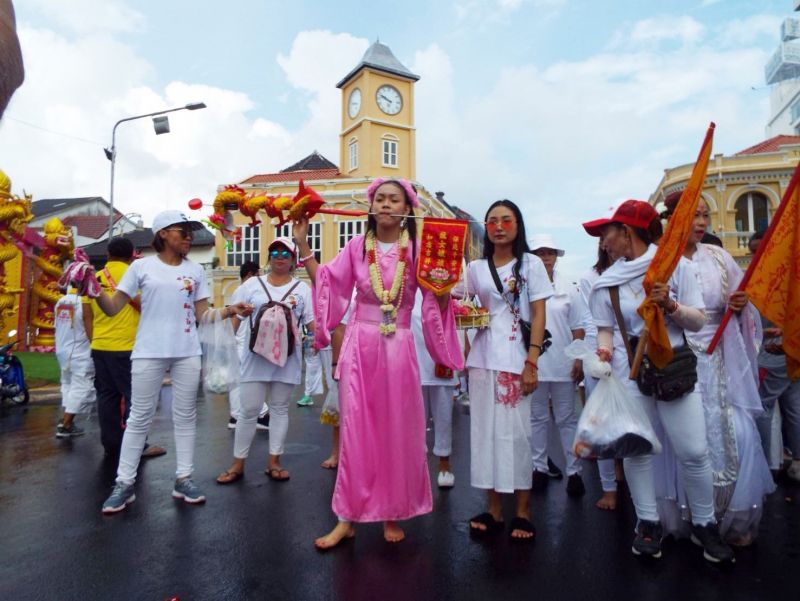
[
  {"x": 354, "y": 104},
  {"x": 389, "y": 99}
]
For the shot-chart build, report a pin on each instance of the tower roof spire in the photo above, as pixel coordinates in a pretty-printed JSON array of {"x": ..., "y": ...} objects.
[{"x": 380, "y": 57}]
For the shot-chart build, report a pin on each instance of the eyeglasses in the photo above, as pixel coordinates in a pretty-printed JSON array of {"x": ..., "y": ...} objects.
[
  {"x": 185, "y": 231},
  {"x": 283, "y": 254},
  {"x": 504, "y": 223}
]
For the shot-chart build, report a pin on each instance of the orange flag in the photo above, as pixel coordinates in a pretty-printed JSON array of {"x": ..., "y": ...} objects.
[
  {"x": 670, "y": 250},
  {"x": 441, "y": 253},
  {"x": 774, "y": 286}
]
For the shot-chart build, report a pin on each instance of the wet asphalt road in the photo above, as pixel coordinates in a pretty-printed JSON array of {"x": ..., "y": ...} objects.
[{"x": 254, "y": 539}]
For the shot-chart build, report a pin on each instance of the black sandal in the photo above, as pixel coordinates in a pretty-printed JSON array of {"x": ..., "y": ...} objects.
[
  {"x": 524, "y": 524},
  {"x": 486, "y": 519}
]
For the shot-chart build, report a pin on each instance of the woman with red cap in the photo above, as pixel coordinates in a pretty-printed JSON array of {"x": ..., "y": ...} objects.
[
  {"x": 630, "y": 234},
  {"x": 383, "y": 468},
  {"x": 728, "y": 381}
]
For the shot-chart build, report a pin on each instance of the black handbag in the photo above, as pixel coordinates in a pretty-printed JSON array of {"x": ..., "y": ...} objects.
[
  {"x": 524, "y": 326},
  {"x": 671, "y": 382}
]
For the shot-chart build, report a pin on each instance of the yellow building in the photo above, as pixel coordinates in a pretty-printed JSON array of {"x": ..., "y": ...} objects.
[
  {"x": 742, "y": 191},
  {"x": 377, "y": 139}
]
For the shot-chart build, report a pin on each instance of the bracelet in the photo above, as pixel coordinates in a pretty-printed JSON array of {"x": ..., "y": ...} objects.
[
  {"x": 306, "y": 258},
  {"x": 532, "y": 364},
  {"x": 539, "y": 346},
  {"x": 334, "y": 363},
  {"x": 675, "y": 308}
]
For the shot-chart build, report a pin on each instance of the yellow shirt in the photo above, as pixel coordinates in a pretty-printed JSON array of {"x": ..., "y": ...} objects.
[{"x": 116, "y": 333}]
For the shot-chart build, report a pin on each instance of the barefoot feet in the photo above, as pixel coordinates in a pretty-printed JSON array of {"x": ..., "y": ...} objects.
[
  {"x": 608, "y": 501},
  {"x": 331, "y": 463},
  {"x": 342, "y": 531},
  {"x": 393, "y": 533}
]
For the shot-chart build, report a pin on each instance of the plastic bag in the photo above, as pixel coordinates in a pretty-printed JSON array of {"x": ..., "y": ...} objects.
[
  {"x": 612, "y": 424},
  {"x": 220, "y": 356},
  {"x": 330, "y": 408}
]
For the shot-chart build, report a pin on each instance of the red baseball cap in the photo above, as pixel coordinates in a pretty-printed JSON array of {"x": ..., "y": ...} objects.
[{"x": 635, "y": 213}]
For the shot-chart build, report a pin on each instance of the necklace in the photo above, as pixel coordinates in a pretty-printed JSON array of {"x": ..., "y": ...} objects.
[{"x": 389, "y": 299}]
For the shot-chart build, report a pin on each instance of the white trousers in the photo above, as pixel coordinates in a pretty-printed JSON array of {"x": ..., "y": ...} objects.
[
  {"x": 684, "y": 423},
  {"x": 235, "y": 400},
  {"x": 253, "y": 395},
  {"x": 562, "y": 396},
  {"x": 605, "y": 467},
  {"x": 146, "y": 378},
  {"x": 439, "y": 403},
  {"x": 77, "y": 386},
  {"x": 313, "y": 374}
]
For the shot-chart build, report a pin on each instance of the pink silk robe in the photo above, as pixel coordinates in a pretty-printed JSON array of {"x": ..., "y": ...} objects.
[{"x": 383, "y": 469}]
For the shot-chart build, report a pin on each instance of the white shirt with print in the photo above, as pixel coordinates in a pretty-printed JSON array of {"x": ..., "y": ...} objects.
[
  {"x": 256, "y": 368},
  {"x": 168, "y": 326},
  {"x": 71, "y": 340}
]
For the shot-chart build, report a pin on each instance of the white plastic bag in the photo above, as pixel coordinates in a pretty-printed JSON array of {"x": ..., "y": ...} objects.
[
  {"x": 220, "y": 357},
  {"x": 612, "y": 424}
]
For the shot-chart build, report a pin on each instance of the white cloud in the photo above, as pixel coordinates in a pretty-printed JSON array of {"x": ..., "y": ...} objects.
[
  {"x": 89, "y": 16},
  {"x": 656, "y": 30}
]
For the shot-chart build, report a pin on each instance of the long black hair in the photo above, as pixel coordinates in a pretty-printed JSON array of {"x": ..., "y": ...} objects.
[
  {"x": 519, "y": 246},
  {"x": 411, "y": 223}
]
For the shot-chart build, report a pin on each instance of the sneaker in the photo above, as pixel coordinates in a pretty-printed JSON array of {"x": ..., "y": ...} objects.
[
  {"x": 186, "y": 489},
  {"x": 63, "y": 431},
  {"x": 648, "y": 539},
  {"x": 120, "y": 498},
  {"x": 714, "y": 548},
  {"x": 446, "y": 480},
  {"x": 575, "y": 487},
  {"x": 793, "y": 471},
  {"x": 306, "y": 401},
  {"x": 553, "y": 471},
  {"x": 232, "y": 423},
  {"x": 262, "y": 423},
  {"x": 539, "y": 481}
]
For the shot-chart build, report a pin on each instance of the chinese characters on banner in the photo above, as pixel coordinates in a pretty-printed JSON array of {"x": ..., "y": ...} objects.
[{"x": 441, "y": 254}]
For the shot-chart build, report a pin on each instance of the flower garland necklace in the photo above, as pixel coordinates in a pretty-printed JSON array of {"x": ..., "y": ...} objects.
[{"x": 391, "y": 298}]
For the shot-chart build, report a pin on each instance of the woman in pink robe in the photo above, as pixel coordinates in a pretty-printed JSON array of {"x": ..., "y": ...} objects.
[{"x": 383, "y": 471}]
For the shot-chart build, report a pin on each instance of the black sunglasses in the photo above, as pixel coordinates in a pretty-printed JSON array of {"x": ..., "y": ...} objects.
[{"x": 185, "y": 231}]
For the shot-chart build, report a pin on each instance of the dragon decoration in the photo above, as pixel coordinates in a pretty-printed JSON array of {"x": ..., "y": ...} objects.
[
  {"x": 46, "y": 292},
  {"x": 15, "y": 213},
  {"x": 306, "y": 203}
]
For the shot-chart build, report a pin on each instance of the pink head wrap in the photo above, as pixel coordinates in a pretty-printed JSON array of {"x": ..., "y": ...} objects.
[{"x": 403, "y": 183}]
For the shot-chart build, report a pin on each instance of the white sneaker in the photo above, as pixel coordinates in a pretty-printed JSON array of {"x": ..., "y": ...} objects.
[
  {"x": 794, "y": 470},
  {"x": 446, "y": 480}
]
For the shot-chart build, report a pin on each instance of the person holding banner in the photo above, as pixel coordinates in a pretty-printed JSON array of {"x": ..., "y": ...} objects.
[
  {"x": 728, "y": 382},
  {"x": 630, "y": 234},
  {"x": 383, "y": 468},
  {"x": 503, "y": 371}
]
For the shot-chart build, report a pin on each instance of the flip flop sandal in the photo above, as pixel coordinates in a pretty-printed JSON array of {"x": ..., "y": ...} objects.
[
  {"x": 277, "y": 470},
  {"x": 525, "y": 525},
  {"x": 487, "y": 519},
  {"x": 227, "y": 477}
]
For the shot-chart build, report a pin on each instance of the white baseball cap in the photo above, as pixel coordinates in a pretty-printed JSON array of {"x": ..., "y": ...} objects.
[
  {"x": 173, "y": 217},
  {"x": 287, "y": 242},
  {"x": 538, "y": 241}
]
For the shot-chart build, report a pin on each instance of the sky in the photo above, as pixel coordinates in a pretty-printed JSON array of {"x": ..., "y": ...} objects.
[{"x": 563, "y": 106}]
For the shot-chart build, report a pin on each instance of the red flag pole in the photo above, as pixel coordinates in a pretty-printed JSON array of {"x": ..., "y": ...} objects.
[{"x": 795, "y": 181}]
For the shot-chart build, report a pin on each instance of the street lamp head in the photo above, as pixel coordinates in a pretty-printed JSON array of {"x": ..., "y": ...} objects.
[
  {"x": 161, "y": 125},
  {"x": 193, "y": 106}
]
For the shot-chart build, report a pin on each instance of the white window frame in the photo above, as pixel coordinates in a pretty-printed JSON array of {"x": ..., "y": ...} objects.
[
  {"x": 247, "y": 248},
  {"x": 390, "y": 151},
  {"x": 350, "y": 229},
  {"x": 314, "y": 237},
  {"x": 353, "y": 153},
  {"x": 748, "y": 198}
]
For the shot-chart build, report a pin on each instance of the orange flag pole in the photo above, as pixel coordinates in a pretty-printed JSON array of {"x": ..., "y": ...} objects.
[
  {"x": 670, "y": 250},
  {"x": 759, "y": 253}
]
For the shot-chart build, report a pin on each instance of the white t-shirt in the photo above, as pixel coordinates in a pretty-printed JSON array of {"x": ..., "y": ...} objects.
[
  {"x": 683, "y": 288},
  {"x": 256, "y": 368},
  {"x": 71, "y": 340},
  {"x": 499, "y": 347},
  {"x": 168, "y": 325},
  {"x": 565, "y": 312},
  {"x": 427, "y": 367}
]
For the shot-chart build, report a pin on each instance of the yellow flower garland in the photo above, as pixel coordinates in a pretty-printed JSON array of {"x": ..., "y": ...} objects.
[{"x": 391, "y": 298}]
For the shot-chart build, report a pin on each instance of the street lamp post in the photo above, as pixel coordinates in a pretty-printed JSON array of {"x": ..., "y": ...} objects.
[{"x": 161, "y": 126}]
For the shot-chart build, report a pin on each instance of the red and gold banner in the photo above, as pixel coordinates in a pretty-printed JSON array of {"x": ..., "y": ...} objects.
[{"x": 441, "y": 253}]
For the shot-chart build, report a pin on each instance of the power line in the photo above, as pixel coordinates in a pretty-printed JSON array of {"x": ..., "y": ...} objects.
[{"x": 55, "y": 133}]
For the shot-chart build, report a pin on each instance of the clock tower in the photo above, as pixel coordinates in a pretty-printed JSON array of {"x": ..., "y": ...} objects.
[{"x": 378, "y": 137}]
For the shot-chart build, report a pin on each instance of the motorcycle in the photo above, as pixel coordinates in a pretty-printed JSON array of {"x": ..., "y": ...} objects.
[{"x": 12, "y": 376}]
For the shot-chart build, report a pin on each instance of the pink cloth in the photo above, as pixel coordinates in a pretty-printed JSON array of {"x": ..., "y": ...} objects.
[{"x": 383, "y": 469}]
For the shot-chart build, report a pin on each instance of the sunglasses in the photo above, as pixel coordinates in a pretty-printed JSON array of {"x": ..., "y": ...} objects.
[
  {"x": 283, "y": 254},
  {"x": 185, "y": 231},
  {"x": 504, "y": 223}
]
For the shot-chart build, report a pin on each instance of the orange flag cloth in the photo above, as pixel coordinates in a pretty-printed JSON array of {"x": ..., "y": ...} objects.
[
  {"x": 441, "y": 253},
  {"x": 774, "y": 286},
  {"x": 670, "y": 250}
]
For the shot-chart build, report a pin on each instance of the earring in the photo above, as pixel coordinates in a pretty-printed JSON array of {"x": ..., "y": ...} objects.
[{"x": 404, "y": 223}]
